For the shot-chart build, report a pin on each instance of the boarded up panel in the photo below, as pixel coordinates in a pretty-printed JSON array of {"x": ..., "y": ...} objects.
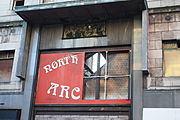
[
  {"x": 60, "y": 78},
  {"x": 172, "y": 62},
  {"x": 118, "y": 33},
  {"x": 5, "y": 70},
  {"x": 6, "y": 63}
]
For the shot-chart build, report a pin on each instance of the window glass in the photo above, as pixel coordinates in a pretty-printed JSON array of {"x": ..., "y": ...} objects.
[
  {"x": 95, "y": 64},
  {"x": 172, "y": 44},
  {"x": 172, "y": 62},
  {"x": 118, "y": 63},
  {"x": 117, "y": 88},
  {"x": 6, "y": 63},
  {"x": 90, "y": 89},
  {"x": 106, "y": 75}
]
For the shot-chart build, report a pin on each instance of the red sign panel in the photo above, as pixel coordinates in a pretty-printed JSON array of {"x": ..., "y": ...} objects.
[{"x": 60, "y": 80}]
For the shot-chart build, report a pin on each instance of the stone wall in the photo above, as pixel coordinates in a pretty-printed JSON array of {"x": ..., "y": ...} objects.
[
  {"x": 160, "y": 29},
  {"x": 7, "y": 13},
  {"x": 162, "y": 3}
]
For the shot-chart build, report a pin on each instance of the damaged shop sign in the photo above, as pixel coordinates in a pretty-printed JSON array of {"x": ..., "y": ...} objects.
[{"x": 60, "y": 78}]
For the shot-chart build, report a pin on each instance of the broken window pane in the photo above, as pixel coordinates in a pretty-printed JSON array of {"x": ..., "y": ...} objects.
[
  {"x": 95, "y": 64},
  {"x": 104, "y": 75}
]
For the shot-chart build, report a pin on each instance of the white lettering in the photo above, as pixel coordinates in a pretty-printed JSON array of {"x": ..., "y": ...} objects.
[
  {"x": 76, "y": 89},
  {"x": 64, "y": 89},
  {"x": 54, "y": 65},
  {"x": 66, "y": 59},
  {"x": 53, "y": 86},
  {"x": 61, "y": 62},
  {"x": 47, "y": 68},
  {"x": 74, "y": 59}
]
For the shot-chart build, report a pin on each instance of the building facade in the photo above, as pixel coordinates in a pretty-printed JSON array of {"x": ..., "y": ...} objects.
[{"x": 89, "y": 59}]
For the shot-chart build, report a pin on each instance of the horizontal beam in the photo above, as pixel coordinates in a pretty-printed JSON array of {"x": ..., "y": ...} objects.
[{"x": 63, "y": 5}]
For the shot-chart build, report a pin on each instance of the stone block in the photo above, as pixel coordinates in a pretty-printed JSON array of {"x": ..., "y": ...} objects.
[
  {"x": 5, "y": 31},
  {"x": 155, "y": 19},
  {"x": 158, "y": 45},
  {"x": 1, "y": 38},
  {"x": 169, "y": 35},
  {"x": 152, "y": 45},
  {"x": 161, "y": 27},
  {"x": 155, "y": 36},
  {"x": 5, "y": 39},
  {"x": 153, "y": 4},
  {"x": 174, "y": 26},
  {"x": 165, "y": 3},
  {"x": 155, "y": 54},
  {"x": 151, "y": 82},
  {"x": 177, "y": 34},
  {"x": 156, "y": 72},
  {"x": 159, "y": 82},
  {"x": 168, "y": 17},
  {"x": 177, "y": 16},
  {"x": 151, "y": 28},
  {"x": 151, "y": 63},
  {"x": 14, "y": 38},
  {"x": 158, "y": 62}
]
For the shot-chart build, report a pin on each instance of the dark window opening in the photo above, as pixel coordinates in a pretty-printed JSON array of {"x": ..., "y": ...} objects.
[
  {"x": 18, "y": 3},
  {"x": 10, "y": 114},
  {"x": 6, "y": 64}
]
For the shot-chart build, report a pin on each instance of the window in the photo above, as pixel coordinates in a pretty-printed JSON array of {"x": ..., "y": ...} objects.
[
  {"x": 10, "y": 114},
  {"x": 18, "y": 3},
  {"x": 6, "y": 63},
  {"x": 106, "y": 75},
  {"x": 171, "y": 58},
  {"x": 84, "y": 77}
]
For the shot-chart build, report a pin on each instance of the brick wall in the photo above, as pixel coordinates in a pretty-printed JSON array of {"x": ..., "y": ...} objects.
[
  {"x": 78, "y": 117},
  {"x": 160, "y": 29}
]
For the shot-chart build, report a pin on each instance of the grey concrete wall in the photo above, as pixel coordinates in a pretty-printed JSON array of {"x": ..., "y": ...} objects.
[
  {"x": 162, "y": 99},
  {"x": 137, "y": 82}
]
